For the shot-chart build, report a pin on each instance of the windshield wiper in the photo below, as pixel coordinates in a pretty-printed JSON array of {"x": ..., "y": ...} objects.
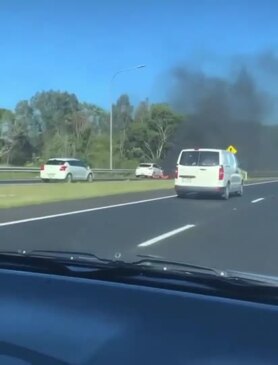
[
  {"x": 64, "y": 262},
  {"x": 147, "y": 262},
  {"x": 22, "y": 260},
  {"x": 61, "y": 262},
  {"x": 244, "y": 278},
  {"x": 150, "y": 271},
  {"x": 157, "y": 262},
  {"x": 51, "y": 261},
  {"x": 234, "y": 277},
  {"x": 72, "y": 256}
]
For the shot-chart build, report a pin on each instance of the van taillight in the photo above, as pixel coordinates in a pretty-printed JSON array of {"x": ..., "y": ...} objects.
[
  {"x": 63, "y": 168},
  {"x": 176, "y": 173},
  {"x": 221, "y": 173},
  {"x": 42, "y": 167}
]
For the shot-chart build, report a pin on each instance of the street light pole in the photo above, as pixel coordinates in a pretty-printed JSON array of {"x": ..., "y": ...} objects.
[{"x": 111, "y": 109}]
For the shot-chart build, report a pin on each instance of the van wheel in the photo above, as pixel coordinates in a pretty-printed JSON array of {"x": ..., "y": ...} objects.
[
  {"x": 240, "y": 191},
  {"x": 69, "y": 178},
  {"x": 181, "y": 195},
  {"x": 226, "y": 194},
  {"x": 45, "y": 180}
]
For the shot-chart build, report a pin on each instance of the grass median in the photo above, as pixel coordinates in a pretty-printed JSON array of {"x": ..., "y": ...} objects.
[
  {"x": 21, "y": 195},
  {"x": 18, "y": 175}
]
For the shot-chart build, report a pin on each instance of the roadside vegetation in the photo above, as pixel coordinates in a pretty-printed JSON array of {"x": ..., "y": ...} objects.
[
  {"x": 20, "y": 195},
  {"x": 58, "y": 124}
]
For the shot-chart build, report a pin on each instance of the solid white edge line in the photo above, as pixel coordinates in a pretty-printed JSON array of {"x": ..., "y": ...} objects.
[
  {"x": 165, "y": 235},
  {"x": 84, "y": 211},
  {"x": 257, "y": 200},
  {"x": 262, "y": 183}
]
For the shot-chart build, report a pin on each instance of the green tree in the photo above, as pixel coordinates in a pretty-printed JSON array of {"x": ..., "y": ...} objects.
[
  {"x": 6, "y": 131},
  {"x": 142, "y": 111},
  {"x": 97, "y": 117},
  {"x": 122, "y": 113},
  {"x": 15, "y": 145},
  {"x": 28, "y": 122},
  {"x": 21, "y": 150},
  {"x": 122, "y": 119},
  {"x": 55, "y": 109},
  {"x": 149, "y": 138},
  {"x": 97, "y": 154},
  {"x": 55, "y": 123}
]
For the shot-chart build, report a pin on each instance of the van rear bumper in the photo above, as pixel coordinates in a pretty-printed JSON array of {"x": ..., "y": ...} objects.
[{"x": 180, "y": 190}]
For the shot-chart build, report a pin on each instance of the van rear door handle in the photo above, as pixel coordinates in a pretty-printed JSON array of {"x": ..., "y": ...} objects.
[{"x": 203, "y": 169}]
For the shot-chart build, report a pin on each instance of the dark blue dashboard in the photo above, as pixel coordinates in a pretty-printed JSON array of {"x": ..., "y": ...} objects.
[{"x": 49, "y": 319}]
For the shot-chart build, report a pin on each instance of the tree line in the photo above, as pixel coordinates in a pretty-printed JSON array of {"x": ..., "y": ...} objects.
[
  {"x": 57, "y": 124},
  {"x": 53, "y": 124}
]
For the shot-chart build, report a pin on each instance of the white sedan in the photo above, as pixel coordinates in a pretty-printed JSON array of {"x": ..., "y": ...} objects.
[
  {"x": 66, "y": 169},
  {"x": 149, "y": 170}
]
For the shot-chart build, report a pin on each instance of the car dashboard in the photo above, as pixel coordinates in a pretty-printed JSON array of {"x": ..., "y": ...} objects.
[{"x": 52, "y": 319}]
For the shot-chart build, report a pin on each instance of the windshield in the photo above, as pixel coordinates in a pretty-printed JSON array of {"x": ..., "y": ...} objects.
[{"x": 118, "y": 115}]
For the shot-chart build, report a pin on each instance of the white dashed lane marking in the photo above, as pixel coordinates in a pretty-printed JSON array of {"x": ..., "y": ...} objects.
[
  {"x": 165, "y": 235},
  {"x": 257, "y": 200}
]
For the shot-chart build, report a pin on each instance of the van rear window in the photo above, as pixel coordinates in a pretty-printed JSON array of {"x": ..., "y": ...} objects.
[
  {"x": 189, "y": 158},
  {"x": 199, "y": 158}
]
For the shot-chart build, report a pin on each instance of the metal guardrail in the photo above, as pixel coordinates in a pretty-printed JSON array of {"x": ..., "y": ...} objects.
[
  {"x": 18, "y": 169},
  {"x": 13, "y": 173},
  {"x": 104, "y": 174},
  {"x": 37, "y": 169}
]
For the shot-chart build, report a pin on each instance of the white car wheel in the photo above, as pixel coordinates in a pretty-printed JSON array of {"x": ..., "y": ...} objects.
[
  {"x": 90, "y": 178},
  {"x": 69, "y": 178}
]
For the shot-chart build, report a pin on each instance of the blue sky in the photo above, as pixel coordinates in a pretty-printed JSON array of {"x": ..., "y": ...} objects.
[{"x": 77, "y": 45}]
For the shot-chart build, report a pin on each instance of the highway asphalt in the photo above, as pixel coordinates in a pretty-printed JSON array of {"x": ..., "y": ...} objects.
[{"x": 239, "y": 234}]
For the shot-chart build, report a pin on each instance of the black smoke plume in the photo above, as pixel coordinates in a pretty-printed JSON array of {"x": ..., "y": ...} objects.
[{"x": 222, "y": 111}]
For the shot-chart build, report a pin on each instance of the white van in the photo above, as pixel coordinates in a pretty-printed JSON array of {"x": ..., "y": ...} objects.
[{"x": 208, "y": 171}]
